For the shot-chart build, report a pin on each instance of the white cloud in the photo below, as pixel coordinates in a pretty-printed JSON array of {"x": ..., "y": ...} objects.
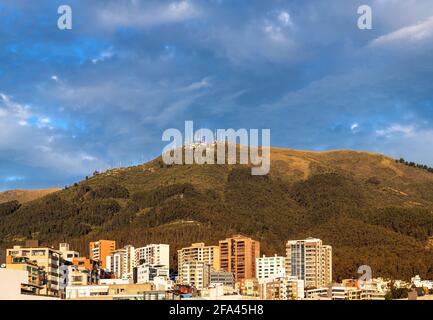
[
  {"x": 203, "y": 83},
  {"x": 148, "y": 16},
  {"x": 354, "y": 127},
  {"x": 397, "y": 129},
  {"x": 55, "y": 78},
  {"x": 104, "y": 55},
  {"x": 285, "y": 19},
  {"x": 414, "y": 33},
  {"x": 36, "y": 144}
]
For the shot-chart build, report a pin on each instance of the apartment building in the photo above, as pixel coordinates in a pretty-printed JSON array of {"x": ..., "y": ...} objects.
[
  {"x": 270, "y": 267},
  {"x": 147, "y": 273},
  {"x": 122, "y": 262},
  {"x": 15, "y": 286},
  {"x": 195, "y": 274},
  {"x": 128, "y": 291},
  {"x": 35, "y": 275},
  {"x": 66, "y": 253},
  {"x": 199, "y": 252},
  {"x": 248, "y": 287},
  {"x": 222, "y": 277},
  {"x": 47, "y": 259},
  {"x": 100, "y": 250},
  {"x": 238, "y": 254},
  {"x": 153, "y": 254},
  {"x": 309, "y": 260}
]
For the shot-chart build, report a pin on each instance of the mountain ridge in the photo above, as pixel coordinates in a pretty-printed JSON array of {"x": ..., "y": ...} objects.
[{"x": 372, "y": 209}]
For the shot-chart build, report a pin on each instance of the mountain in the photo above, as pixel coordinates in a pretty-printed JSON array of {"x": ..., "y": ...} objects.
[
  {"x": 372, "y": 209},
  {"x": 24, "y": 195}
]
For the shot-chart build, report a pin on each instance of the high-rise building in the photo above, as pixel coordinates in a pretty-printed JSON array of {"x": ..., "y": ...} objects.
[
  {"x": 238, "y": 254},
  {"x": 153, "y": 254},
  {"x": 100, "y": 250},
  {"x": 47, "y": 259},
  {"x": 270, "y": 267},
  {"x": 309, "y": 260},
  {"x": 122, "y": 262},
  {"x": 199, "y": 252}
]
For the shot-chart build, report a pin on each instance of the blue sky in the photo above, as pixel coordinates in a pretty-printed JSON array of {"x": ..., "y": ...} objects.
[{"x": 101, "y": 95}]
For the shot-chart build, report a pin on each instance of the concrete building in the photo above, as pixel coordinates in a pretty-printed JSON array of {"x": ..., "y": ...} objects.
[
  {"x": 116, "y": 292},
  {"x": 238, "y": 254},
  {"x": 309, "y": 260},
  {"x": 66, "y": 254},
  {"x": 286, "y": 288},
  {"x": 47, "y": 259},
  {"x": 248, "y": 287},
  {"x": 147, "y": 273},
  {"x": 199, "y": 252},
  {"x": 195, "y": 274},
  {"x": 100, "y": 250},
  {"x": 153, "y": 254},
  {"x": 341, "y": 292},
  {"x": 15, "y": 286},
  {"x": 36, "y": 277},
  {"x": 222, "y": 277},
  {"x": 270, "y": 267},
  {"x": 122, "y": 262}
]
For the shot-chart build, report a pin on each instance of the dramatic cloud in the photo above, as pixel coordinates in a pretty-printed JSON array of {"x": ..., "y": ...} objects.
[{"x": 100, "y": 95}]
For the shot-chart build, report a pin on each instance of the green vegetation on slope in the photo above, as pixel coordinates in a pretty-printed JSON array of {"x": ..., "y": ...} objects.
[{"x": 371, "y": 209}]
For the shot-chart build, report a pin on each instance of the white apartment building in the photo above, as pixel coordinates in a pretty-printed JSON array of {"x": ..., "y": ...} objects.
[
  {"x": 270, "y": 267},
  {"x": 147, "y": 273},
  {"x": 309, "y": 260},
  {"x": 122, "y": 262},
  {"x": 153, "y": 254}
]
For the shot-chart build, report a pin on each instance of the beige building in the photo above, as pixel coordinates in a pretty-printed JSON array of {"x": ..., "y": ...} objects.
[
  {"x": 47, "y": 259},
  {"x": 194, "y": 273},
  {"x": 199, "y": 252},
  {"x": 238, "y": 254},
  {"x": 116, "y": 292},
  {"x": 286, "y": 288},
  {"x": 309, "y": 260},
  {"x": 66, "y": 253},
  {"x": 15, "y": 286},
  {"x": 35, "y": 280}
]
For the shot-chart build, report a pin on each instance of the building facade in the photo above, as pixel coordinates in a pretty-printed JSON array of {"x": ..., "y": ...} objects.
[
  {"x": 100, "y": 250},
  {"x": 199, "y": 252},
  {"x": 238, "y": 254},
  {"x": 309, "y": 260},
  {"x": 270, "y": 267},
  {"x": 47, "y": 259},
  {"x": 153, "y": 254}
]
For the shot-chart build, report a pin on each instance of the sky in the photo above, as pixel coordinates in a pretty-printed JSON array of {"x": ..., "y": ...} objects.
[{"x": 100, "y": 95}]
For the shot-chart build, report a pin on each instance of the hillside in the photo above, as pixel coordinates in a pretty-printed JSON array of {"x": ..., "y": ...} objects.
[
  {"x": 24, "y": 195},
  {"x": 372, "y": 209}
]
